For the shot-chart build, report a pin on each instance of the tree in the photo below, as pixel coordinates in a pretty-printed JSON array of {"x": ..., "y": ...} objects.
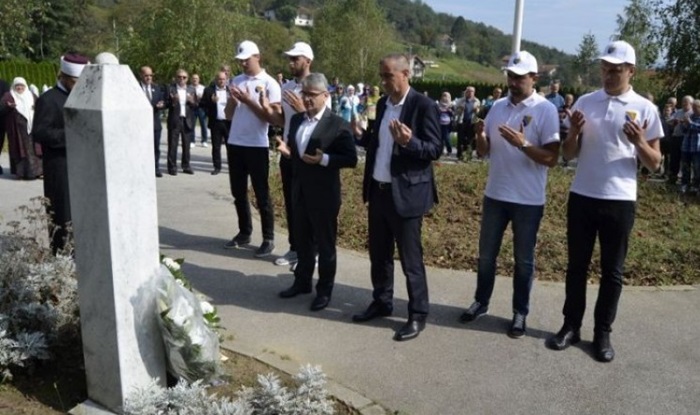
[
  {"x": 169, "y": 34},
  {"x": 636, "y": 26},
  {"x": 678, "y": 36},
  {"x": 41, "y": 30},
  {"x": 350, "y": 37},
  {"x": 586, "y": 65}
]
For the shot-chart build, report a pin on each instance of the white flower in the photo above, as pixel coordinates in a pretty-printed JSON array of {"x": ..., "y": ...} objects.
[
  {"x": 206, "y": 307},
  {"x": 171, "y": 264}
]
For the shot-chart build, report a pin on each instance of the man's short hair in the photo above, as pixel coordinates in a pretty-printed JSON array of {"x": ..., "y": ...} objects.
[{"x": 315, "y": 80}]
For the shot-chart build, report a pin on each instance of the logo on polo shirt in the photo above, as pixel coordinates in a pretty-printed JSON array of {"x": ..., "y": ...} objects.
[
  {"x": 630, "y": 116},
  {"x": 526, "y": 120}
]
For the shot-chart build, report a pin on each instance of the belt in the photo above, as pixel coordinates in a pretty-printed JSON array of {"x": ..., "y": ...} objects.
[{"x": 382, "y": 185}]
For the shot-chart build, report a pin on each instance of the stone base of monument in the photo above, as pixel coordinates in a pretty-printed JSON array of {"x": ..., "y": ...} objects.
[{"x": 90, "y": 408}]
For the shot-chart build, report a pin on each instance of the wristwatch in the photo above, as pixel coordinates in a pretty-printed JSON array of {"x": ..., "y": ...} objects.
[{"x": 525, "y": 145}]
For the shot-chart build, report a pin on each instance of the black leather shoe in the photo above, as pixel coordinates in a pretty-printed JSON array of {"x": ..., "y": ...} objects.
[
  {"x": 320, "y": 302},
  {"x": 375, "y": 310},
  {"x": 215, "y": 172},
  {"x": 188, "y": 171},
  {"x": 158, "y": 173},
  {"x": 564, "y": 338},
  {"x": 602, "y": 348},
  {"x": 293, "y": 291},
  {"x": 411, "y": 329},
  {"x": 172, "y": 172}
]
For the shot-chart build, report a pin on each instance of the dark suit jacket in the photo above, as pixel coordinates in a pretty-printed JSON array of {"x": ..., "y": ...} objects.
[
  {"x": 174, "y": 107},
  {"x": 208, "y": 105},
  {"x": 413, "y": 184},
  {"x": 157, "y": 95},
  {"x": 320, "y": 185}
]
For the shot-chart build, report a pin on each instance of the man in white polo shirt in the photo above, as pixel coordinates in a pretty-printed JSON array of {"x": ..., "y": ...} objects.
[
  {"x": 610, "y": 129},
  {"x": 521, "y": 137},
  {"x": 248, "y": 146}
]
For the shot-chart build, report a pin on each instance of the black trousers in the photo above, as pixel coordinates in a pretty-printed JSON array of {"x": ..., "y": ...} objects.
[
  {"x": 387, "y": 228},
  {"x": 286, "y": 175},
  {"x": 219, "y": 135},
  {"x": 675, "y": 155},
  {"x": 156, "y": 146},
  {"x": 178, "y": 131},
  {"x": 465, "y": 137},
  {"x": 611, "y": 221},
  {"x": 57, "y": 191},
  {"x": 253, "y": 162},
  {"x": 317, "y": 230}
]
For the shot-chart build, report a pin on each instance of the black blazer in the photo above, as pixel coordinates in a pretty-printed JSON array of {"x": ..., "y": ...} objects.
[
  {"x": 209, "y": 106},
  {"x": 174, "y": 107},
  {"x": 413, "y": 183},
  {"x": 320, "y": 185},
  {"x": 157, "y": 95}
]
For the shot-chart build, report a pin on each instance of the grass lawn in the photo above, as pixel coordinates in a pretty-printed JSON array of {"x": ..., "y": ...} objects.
[
  {"x": 664, "y": 247},
  {"x": 463, "y": 70}
]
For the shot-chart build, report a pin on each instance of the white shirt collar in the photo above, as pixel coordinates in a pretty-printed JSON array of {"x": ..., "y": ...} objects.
[{"x": 316, "y": 117}]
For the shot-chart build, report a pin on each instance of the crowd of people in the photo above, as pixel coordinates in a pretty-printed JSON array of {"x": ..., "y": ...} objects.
[{"x": 321, "y": 124}]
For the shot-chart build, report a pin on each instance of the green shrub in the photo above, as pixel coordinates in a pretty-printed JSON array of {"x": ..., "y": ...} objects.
[{"x": 38, "y": 295}]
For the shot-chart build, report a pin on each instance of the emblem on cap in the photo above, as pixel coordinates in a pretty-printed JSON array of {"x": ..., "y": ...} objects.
[
  {"x": 516, "y": 61},
  {"x": 611, "y": 49}
]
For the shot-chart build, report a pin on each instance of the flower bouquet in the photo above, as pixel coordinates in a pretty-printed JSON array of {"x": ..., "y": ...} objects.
[{"x": 188, "y": 326}]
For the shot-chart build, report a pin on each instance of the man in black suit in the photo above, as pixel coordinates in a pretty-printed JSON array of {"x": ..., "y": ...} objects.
[
  {"x": 156, "y": 97},
  {"x": 181, "y": 103},
  {"x": 319, "y": 143},
  {"x": 399, "y": 188},
  {"x": 50, "y": 132},
  {"x": 214, "y": 100},
  {"x": 3, "y": 88}
]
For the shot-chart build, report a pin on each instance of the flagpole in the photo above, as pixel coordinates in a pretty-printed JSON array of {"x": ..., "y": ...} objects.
[{"x": 518, "y": 25}]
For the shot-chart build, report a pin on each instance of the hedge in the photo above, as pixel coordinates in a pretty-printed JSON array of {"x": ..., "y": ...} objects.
[{"x": 39, "y": 74}]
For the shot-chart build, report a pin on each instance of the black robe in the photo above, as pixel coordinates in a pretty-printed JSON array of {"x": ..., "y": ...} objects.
[{"x": 49, "y": 131}]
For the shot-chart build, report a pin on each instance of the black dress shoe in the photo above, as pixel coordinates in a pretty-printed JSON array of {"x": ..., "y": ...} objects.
[
  {"x": 293, "y": 291},
  {"x": 602, "y": 348},
  {"x": 158, "y": 173},
  {"x": 188, "y": 171},
  {"x": 320, "y": 302},
  {"x": 411, "y": 329},
  {"x": 172, "y": 172},
  {"x": 375, "y": 310},
  {"x": 564, "y": 338},
  {"x": 215, "y": 172}
]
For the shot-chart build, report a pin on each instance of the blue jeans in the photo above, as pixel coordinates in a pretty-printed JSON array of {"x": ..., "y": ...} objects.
[
  {"x": 445, "y": 133},
  {"x": 200, "y": 115},
  {"x": 525, "y": 221},
  {"x": 690, "y": 162}
]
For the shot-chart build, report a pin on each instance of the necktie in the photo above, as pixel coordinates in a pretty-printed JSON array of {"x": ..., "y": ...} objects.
[{"x": 148, "y": 93}]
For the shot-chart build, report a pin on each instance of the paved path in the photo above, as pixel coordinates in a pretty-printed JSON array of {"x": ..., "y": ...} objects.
[{"x": 451, "y": 368}]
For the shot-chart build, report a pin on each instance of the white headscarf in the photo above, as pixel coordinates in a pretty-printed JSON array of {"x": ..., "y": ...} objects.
[{"x": 24, "y": 101}]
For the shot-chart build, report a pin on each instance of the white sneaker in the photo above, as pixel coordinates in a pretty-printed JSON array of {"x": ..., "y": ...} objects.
[
  {"x": 204, "y": 144},
  {"x": 191, "y": 145},
  {"x": 289, "y": 258}
]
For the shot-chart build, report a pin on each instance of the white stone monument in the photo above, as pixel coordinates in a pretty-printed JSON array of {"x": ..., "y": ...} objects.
[{"x": 109, "y": 135}]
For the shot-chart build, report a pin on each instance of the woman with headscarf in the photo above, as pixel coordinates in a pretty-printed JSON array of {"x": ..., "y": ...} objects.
[{"x": 18, "y": 107}]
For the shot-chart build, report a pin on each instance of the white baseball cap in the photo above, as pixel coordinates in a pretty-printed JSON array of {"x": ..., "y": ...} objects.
[
  {"x": 521, "y": 63},
  {"x": 301, "y": 49},
  {"x": 619, "y": 52},
  {"x": 247, "y": 49}
]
